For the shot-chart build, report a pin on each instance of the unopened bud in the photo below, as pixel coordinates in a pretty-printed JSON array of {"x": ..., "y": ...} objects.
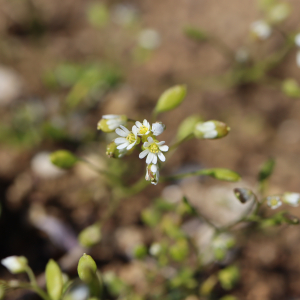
[
  {"x": 291, "y": 87},
  {"x": 261, "y": 30},
  {"x": 15, "y": 264},
  {"x": 109, "y": 123},
  {"x": 211, "y": 130},
  {"x": 90, "y": 236},
  {"x": 86, "y": 268},
  {"x": 113, "y": 152},
  {"x": 292, "y": 199},
  {"x": 158, "y": 128},
  {"x": 63, "y": 159},
  {"x": 54, "y": 280},
  {"x": 152, "y": 173},
  {"x": 244, "y": 195},
  {"x": 274, "y": 201}
]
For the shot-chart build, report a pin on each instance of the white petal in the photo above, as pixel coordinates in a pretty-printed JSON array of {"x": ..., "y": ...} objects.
[
  {"x": 297, "y": 39},
  {"x": 122, "y": 146},
  {"x": 130, "y": 146},
  {"x": 144, "y": 153},
  {"x": 121, "y": 132},
  {"x": 160, "y": 143},
  {"x": 154, "y": 160},
  {"x": 120, "y": 140},
  {"x": 110, "y": 116},
  {"x": 146, "y": 123},
  {"x": 149, "y": 158},
  {"x": 164, "y": 148},
  {"x": 157, "y": 128},
  {"x": 210, "y": 134},
  {"x": 138, "y": 124},
  {"x": 125, "y": 129},
  {"x": 161, "y": 156},
  {"x": 146, "y": 144},
  {"x": 134, "y": 130},
  {"x": 154, "y": 168},
  {"x": 150, "y": 139}
]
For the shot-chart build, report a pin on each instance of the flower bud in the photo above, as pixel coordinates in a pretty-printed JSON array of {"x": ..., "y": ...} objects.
[
  {"x": 158, "y": 128},
  {"x": 261, "y": 30},
  {"x": 15, "y": 264},
  {"x": 244, "y": 195},
  {"x": 113, "y": 152},
  {"x": 152, "y": 173},
  {"x": 211, "y": 130},
  {"x": 155, "y": 249},
  {"x": 274, "y": 201},
  {"x": 109, "y": 123},
  {"x": 292, "y": 199},
  {"x": 86, "y": 268},
  {"x": 290, "y": 86},
  {"x": 171, "y": 98},
  {"x": 63, "y": 159},
  {"x": 54, "y": 280},
  {"x": 90, "y": 236}
]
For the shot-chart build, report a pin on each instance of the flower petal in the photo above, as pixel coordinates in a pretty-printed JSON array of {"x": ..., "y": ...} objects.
[
  {"x": 138, "y": 124},
  {"x": 149, "y": 158},
  {"x": 164, "y": 148},
  {"x": 122, "y": 146},
  {"x": 125, "y": 129},
  {"x": 120, "y": 140},
  {"x": 135, "y": 130},
  {"x": 161, "y": 156},
  {"x": 121, "y": 132},
  {"x": 154, "y": 160},
  {"x": 144, "y": 153},
  {"x": 130, "y": 146},
  {"x": 150, "y": 139},
  {"x": 160, "y": 143}
]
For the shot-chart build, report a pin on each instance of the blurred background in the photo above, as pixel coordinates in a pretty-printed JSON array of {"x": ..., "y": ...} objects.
[{"x": 64, "y": 64}]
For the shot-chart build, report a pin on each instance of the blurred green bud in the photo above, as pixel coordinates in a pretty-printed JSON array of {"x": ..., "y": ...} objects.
[
  {"x": 2, "y": 291},
  {"x": 109, "y": 123},
  {"x": 15, "y": 264},
  {"x": 187, "y": 126},
  {"x": 54, "y": 280},
  {"x": 244, "y": 195},
  {"x": 98, "y": 14},
  {"x": 140, "y": 251},
  {"x": 228, "y": 277},
  {"x": 208, "y": 285},
  {"x": 291, "y": 88},
  {"x": 171, "y": 98},
  {"x": 278, "y": 13},
  {"x": 113, "y": 152},
  {"x": 90, "y": 236},
  {"x": 86, "y": 268},
  {"x": 179, "y": 251},
  {"x": 266, "y": 169},
  {"x": 150, "y": 217},
  {"x": 211, "y": 130},
  {"x": 63, "y": 159},
  {"x": 221, "y": 174},
  {"x": 195, "y": 34},
  {"x": 221, "y": 244}
]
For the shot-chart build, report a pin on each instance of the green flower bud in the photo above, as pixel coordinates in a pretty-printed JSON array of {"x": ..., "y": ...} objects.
[
  {"x": 228, "y": 277},
  {"x": 171, "y": 98},
  {"x": 187, "y": 126},
  {"x": 86, "y": 268},
  {"x": 90, "y": 236},
  {"x": 211, "y": 130},
  {"x": 113, "y": 152},
  {"x": 15, "y": 264},
  {"x": 54, "y": 280},
  {"x": 109, "y": 123},
  {"x": 244, "y": 195},
  {"x": 278, "y": 13},
  {"x": 221, "y": 174},
  {"x": 63, "y": 159},
  {"x": 140, "y": 251},
  {"x": 291, "y": 88}
]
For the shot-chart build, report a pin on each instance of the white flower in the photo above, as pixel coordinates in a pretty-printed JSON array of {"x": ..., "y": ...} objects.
[
  {"x": 261, "y": 29},
  {"x": 149, "y": 39},
  {"x": 109, "y": 123},
  {"x": 15, "y": 264},
  {"x": 155, "y": 248},
  {"x": 298, "y": 58},
  {"x": 153, "y": 150},
  {"x": 292, "y": 199},
  {"x": 152, "y": 173},
  {"x": 208, "y": 129},
  {"x": 274, "y": 201},
  {"x": 142, "y": 129},
  {"x": 157, "y": 128},
  {"x": 297, "y": 39},
  {"x": 128, "y": 139}
]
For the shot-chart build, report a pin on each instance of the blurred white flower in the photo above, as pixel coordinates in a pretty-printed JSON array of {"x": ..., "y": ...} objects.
[
  {"x": 242, "y": 55},
  {"x": 261, "y": 29},
  {"x": 208, "y": 129},
  {"x": 297, "y": 39},
  {"x": 128, "y": 139},
  {"x": 149, "y": 39},
  {"x": 274, "y": 201},
  {"x": 155, "y": 249},
  {"x": 15, "y": 264},
  {"x": 142, "y": 129},
  {"x": 292, "y": 199},
  {"x": 153, "y": 149},
  {"x": 124, "y": 14},
  {"x": 158, "y": 128}
]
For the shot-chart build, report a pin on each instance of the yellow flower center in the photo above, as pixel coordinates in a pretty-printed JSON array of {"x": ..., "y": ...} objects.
[
  {"x": 274, "y": 202},
  {"x": 130, "y": 138},
  {"x": 143, "y": 129},
  {"x": 153, "y": 148}
]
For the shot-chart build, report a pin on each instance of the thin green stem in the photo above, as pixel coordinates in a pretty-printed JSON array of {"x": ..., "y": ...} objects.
[{"x": 34, "y": 285}]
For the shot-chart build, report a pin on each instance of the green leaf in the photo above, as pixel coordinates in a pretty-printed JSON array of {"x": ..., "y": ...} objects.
[
  {"x": 171, "y": 98},
  {"x": 63, "y": 159},
  {"x": 228, "y": 277},
  {"x": 195, "y": 34},
  {"x": 266, "y": 170},
  {"x": 54, "y": 280},
  {"x": 221, "y": 174},
  {"x": 140, "y": 251}
]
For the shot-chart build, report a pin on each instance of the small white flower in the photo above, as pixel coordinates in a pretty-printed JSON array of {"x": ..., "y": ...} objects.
[
  {"x": 128, "y": 139},
  {"x": 142, "y": 129},
  {"x": 114, "y": 121},
  {"x": 152, "y": 173},
  {"x": 157, "y": 128},
  {"x": 15, "y": 264},
  {"x": 274, "y": 201},
  {"x": 298, "y": 58},
  {"x": 208, "y": 129},
  {"x": 149, "y": 39},
  {"x": 155, "y": 248},
  {"x": 292, "y": 199},
  {"x": 153, "y": 149},
  {"x": 297, "y": 39},
  {"x": 261, "y": 29}
]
